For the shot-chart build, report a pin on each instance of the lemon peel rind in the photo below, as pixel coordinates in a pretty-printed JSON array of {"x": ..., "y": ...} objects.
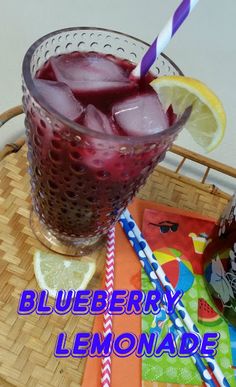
[{"x": 205, "y": 95}]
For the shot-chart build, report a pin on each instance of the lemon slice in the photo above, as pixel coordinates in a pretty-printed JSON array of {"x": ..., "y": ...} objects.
[
  {"x": 54, "y": 272},
  {"x": 207, "y": 121}
]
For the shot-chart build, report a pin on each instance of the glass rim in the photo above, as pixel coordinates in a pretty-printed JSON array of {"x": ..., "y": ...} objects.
[{"x": 28, "y": 79}]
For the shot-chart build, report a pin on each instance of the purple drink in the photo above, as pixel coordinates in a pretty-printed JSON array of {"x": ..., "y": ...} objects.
[{"x": 94, "y": 136}]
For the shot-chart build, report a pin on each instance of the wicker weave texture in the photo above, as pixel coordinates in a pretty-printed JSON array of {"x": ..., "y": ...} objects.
[
  {"x": 174, "y": 190},
  {"x": 27, "y": 342}
]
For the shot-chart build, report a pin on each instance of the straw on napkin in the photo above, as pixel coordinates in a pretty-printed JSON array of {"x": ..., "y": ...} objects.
[
  {"x": 107, "y": 323},
  {"x": 146, "y": 257},
  {"x": 127, "y": 372}
]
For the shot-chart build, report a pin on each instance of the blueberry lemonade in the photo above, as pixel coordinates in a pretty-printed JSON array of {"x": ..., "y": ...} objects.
[{"x": 94, "y": 132}]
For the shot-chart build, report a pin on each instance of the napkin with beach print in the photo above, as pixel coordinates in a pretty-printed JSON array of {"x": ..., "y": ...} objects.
[
  {"x": 133, "y": 371},
  {"x": 179, "y": 242}
]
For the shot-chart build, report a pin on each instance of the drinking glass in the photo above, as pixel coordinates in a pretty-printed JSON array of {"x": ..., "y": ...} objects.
[{"x": 82, "y": 180}]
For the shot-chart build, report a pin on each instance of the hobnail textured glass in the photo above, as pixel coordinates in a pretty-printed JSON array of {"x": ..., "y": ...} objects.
[{"x": 82, "y": 180}]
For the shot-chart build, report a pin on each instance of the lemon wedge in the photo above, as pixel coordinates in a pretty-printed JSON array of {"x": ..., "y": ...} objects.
[
  {"x": 207, "y": 121},
  {"x": 54, "y": 272}
]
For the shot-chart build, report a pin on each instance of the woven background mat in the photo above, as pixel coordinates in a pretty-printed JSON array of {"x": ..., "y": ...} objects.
[{"x": 27, "y": 342}]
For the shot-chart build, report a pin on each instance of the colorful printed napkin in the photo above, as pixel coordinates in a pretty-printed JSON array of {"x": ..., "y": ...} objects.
[
  {"x": 178, "y": 242},
  {"x": 131, "y": 371}
]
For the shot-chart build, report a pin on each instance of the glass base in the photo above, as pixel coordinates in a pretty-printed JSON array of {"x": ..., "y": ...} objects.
[{"x": 64, "y": 245}]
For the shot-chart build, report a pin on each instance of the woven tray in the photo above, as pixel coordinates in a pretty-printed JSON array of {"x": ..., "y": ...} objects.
[{"x": 27, "y": 342}]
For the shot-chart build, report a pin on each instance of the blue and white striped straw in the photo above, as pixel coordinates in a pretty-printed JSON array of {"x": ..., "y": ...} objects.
[
  {"x": 205, "y": 375},
  {"x": 146, "y": 256}
]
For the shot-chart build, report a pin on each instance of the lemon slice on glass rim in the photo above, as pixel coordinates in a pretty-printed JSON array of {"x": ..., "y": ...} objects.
[
  {"x": 207, "y": 121},
  {"x": 54, "y": 272}
]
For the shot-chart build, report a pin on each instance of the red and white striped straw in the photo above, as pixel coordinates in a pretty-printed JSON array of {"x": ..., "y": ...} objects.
[
  {"x": 107, "y": 323},
  {"x": 164, "y": 37}
]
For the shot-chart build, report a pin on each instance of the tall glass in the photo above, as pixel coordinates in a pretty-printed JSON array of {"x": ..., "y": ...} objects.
[{"x": 82, "y": 180}]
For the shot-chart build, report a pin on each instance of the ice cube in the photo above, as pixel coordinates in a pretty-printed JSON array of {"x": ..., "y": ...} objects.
[
  {"x": 96, "y": 155},
  {"x": 96, "y": 120},
  {"x": 140, "y": 115},
  {"x": 89, "y": 73},
  {"x": 59, "y": 97}
]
